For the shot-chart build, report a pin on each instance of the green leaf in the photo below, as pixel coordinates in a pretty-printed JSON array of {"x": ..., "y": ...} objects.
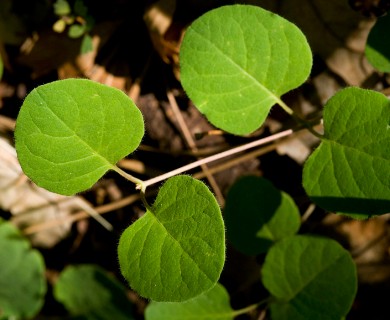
[
  {"x": 86, "y": 44},
  {"x": 61, "y": 8},
  {"x": 350, "y": 170},
  {"x": 377, "y": 47},
  {"x": 88, "y": 291},
  {"x": 310, "y": 278},
  {"x": 214, "y": 304},
  {"x": 236, "y": 61},
  {"x": 22, "y": 278},
  {"x": 176, "y": 251},
  {"x": 70, "y": 132},
  {"x": 76, "y": 30},
  {"x": 257, "y": 214}
]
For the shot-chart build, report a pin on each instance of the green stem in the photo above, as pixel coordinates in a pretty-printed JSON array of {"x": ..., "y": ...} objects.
[
  {"x": 302, "y": 122},
  {"x": 250, "y": 308},
  {"x": 140, "y": 184},
  {"x": 285, "y": 107}
]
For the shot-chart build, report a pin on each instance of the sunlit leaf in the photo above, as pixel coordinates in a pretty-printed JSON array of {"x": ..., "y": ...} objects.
[
  {"x": 350, "y": 170},
  {"x": 70, "y": 132},
  {"x": 236, "y": 61},
  {"x": 176, "y": 251}
]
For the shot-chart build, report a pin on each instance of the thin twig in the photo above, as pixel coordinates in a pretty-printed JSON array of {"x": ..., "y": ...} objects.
[
  {"x": 218, "y": 156},
  {"x": 81, "y": 215},
  {"x": 191, "y": 143}
]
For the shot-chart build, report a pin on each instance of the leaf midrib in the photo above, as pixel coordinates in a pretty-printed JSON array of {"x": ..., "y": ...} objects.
[
  {"x": 84, "y": 143},
  {"x": 247, "y": 74},
  {"x": 353, "y": 148},
  {"x": 310, "y": 279},
  {"x": 178, "y": 242}
]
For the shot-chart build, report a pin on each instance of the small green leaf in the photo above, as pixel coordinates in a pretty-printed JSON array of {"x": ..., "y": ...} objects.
[
  {"x": 86, "y": 44},
  {"x": 61, "y": 8},
  {"x": 76, "y": 30},
  {"x": 59, "y": 26},
  {"x": 214, "y": 304},
  {"x": 377, "y": 47},
  {"x": 22, "y": 278},
  {"x": 176, "y": 251},
  {"x": 350, "y": 170},
  {"x": 310, "y": 278},
  {"x": 236, "y": 61},
  {"x": 70, "y": 132},
  {"x": 88, "y": 291},
  {"x": 257, "y": 214}
]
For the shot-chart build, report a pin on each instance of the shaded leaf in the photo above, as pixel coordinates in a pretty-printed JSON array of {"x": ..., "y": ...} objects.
[
  {"x": 76, "y": 30},
  {"x": 350, "y": 170},
  {"x": 257, "y": 214},
  {"x": 22, "y": 279},
  {"x": 86, "y": 44},
  {"x": 310, "y": 278},
  {"x": 236, "y": 62},
  {"x": 213, "y": 304},
  {"x": 70, "y": 132},
  {"x": 176, "y": 251},
  {"x": 61, "y": 8},
  {"x": 88, "y": 291},
  {"x": 377, "y": 47}
]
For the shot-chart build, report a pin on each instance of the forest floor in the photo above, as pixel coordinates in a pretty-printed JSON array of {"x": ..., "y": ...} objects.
[{"x": 135, "y": 49}]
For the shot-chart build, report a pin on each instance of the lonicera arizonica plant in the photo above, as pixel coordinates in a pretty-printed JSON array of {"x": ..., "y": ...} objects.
[{"x": 236, "y": 63}]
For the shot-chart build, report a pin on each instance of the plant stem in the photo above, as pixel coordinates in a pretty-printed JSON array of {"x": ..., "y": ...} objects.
[
  {"x": 285, "y": 107},
  {"x": 140, "y": 184},
  {"x": 250, "y": 308},
  {"x": 302, "y": 122},
  {"x": 218, "y": 156}
]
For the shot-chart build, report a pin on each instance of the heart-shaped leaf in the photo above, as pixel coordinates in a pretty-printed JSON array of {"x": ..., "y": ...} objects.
[
  {"x": 310, "y": 278},
  {"x": 350, "y": 170},
  {"x": 176, "y": 251},
  {"x": 88, "y": 291},
  {"x": 214, "y": 304},
  {"x": 236, "y": 61},
  {"x": 257, "y": 214},
  {"x": 70, "y": 132},
  {"x": 22, "y": 279}
]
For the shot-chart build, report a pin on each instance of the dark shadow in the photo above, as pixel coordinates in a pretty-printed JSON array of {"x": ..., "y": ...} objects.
[{"x": 353, "y": 205}]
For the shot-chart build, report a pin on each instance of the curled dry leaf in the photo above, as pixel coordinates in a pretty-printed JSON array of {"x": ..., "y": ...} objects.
[{"x": 30, "y": 204}]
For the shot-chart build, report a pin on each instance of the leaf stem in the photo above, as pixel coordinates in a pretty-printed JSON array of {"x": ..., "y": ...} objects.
[
  {"x": 140, "y": 184},
  {"x": 285, "y": 107},
  {"x": 218, "y": 156},
  {"x": 251, "y": 307},
  {"x": 301, "y": 121}
]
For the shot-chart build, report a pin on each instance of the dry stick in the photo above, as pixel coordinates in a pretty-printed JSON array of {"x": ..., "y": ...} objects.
[
  {"x": 132, "y": 198},
  {"x": 81, "y": 215},
  {"x": 191, "y": 143},
  {"x": 218, "y": 156},
  {"x": 228, "y": 164}
]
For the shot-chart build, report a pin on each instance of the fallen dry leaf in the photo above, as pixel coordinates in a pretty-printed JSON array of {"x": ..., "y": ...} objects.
[{"x": 31, "y": 205}]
